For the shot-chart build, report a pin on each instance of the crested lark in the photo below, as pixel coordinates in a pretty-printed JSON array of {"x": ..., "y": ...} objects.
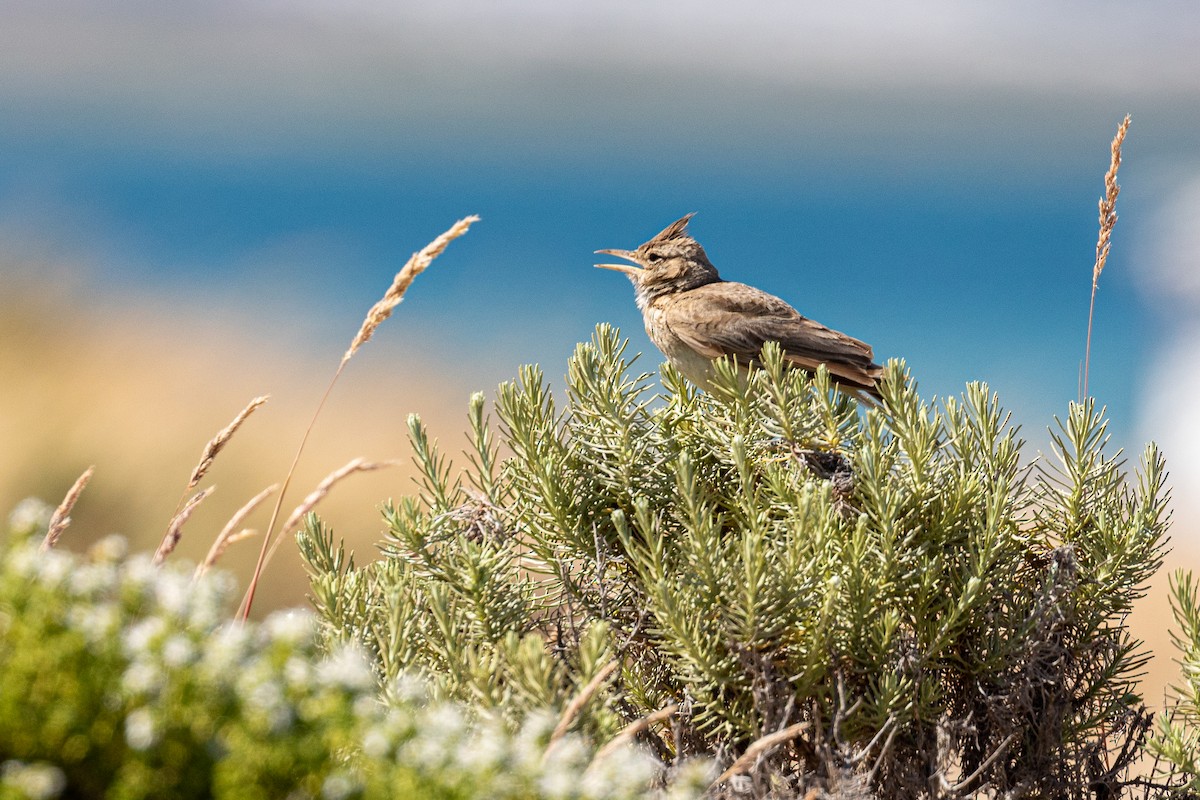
[{"x": 694, "y": 316}]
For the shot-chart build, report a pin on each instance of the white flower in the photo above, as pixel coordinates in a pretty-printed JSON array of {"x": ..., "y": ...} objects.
[
  {"x": 97, "y": 622},
  {"x": 568, "y": 755},
  {"x": 367, "y": 706},
  {"x": 141, "y": 733},
  {"x": 338, "y": 786},
  {"x": 140, "y": 572},
  {"x": 407, "y": 689},
  {"x": 143, "y": 636},
  {"x": 267, "y": 698},
  {"x": 439, "y": 731},
  {"x": 557, "y": 782},
  {"x": 141, "y": 678},
  {"x": 88, "y": 580},
  {"x": 346, "y": 668},
  {"x": 394, "y": 727},
  {"x": 486, "y": 751},
  {"x": 625, "y": 772},
  {"x": 22, "y": 560},
  {"x": 376, "y": 743},
  {"x": 52, "y": 568},
  {"x": 112, "y": 549},
  {"x": 226, "y": 649},
  {"x": 209, "y": 596},
  {"x": 31, "y": 514},
  {"x": 35, "y": 781},
  {"x": 530, "y": 742},
  {"x": 173, "y": 591},
  {"x": 297, "y": 672},
  {"x": 293, "y": 626},
  {"x": 178, "y": 651}
]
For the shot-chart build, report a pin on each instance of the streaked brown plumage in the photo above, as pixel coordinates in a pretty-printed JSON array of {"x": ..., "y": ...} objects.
[{"x": 694, "y": 316}]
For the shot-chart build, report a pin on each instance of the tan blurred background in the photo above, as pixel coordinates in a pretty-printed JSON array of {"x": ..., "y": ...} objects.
[{"x": 137, "y": 389}]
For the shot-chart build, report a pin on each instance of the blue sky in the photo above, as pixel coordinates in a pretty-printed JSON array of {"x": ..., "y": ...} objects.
[{"x": 921, "y": 175}]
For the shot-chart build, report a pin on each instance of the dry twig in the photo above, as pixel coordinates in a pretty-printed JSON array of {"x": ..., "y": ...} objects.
[
  {"x": 760, "y": 747},
  {"x": 633, "y": 729},
  {"x": 999, "y": 751},
  {"x": 579, "y": 701}
]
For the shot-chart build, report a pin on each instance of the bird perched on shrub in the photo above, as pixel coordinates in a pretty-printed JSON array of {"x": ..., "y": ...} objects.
[{"x": 694, "y": 316}]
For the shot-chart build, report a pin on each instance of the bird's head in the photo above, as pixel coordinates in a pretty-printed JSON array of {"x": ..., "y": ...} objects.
[{"x": 670, "y": 262}]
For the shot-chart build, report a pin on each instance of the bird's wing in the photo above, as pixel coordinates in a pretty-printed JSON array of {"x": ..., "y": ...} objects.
[{"x": 734, "y": 319}]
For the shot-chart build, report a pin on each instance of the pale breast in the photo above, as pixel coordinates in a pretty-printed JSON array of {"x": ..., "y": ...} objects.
[{"x": 695, "y": 367}]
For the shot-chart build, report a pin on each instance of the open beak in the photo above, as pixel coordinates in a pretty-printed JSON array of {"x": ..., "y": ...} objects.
[{"x": 628, "y": 255}]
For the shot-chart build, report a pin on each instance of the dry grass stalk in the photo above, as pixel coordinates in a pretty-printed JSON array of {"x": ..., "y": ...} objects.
[
  {"x": 579, "y": 701},
  {"x": 219, "y": 441},
  {"x": 318, "y": 494},
  {"x": 1108, "y": 221},
  {"x": 227, "y": 536},
  {"x": 419, "y": 262},
  {"x": 378, "y": 313},
  {"x": 61, "y": 518},
  {"x": 225, "y": 544},
  {"x": 175, "y": 527},
  {"x": 760, "y": 747},
  {"x": 216, "y": 445},
  {"x": 633, "y": 729}
]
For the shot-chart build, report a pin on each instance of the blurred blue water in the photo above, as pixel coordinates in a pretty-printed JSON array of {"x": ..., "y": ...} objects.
[{"x": 968, "y": 274}]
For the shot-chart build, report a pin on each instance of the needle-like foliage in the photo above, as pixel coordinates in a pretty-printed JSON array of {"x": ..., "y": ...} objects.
[
  {"x": 886, "y": 601},
  {"x": 1177, "y": 741}
]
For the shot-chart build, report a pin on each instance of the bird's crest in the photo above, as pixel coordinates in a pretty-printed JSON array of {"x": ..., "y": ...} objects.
[{"x": 676, "y": 230}]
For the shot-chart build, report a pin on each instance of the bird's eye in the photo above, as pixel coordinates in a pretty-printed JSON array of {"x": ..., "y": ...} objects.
[{"x": 654, "y": 257}]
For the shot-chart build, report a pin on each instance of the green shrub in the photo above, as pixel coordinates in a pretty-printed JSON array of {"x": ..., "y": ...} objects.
[
  {"x": 829, "y": 602},
  {"x": 1177, "y": 740},
  {"x": 890, "y": 594}
]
